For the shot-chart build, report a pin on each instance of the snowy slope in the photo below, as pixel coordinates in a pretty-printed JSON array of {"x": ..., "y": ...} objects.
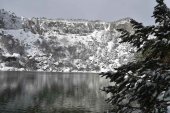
[
  {"x": 61, "y": 45},
  {"x": 9, "y": 20}
]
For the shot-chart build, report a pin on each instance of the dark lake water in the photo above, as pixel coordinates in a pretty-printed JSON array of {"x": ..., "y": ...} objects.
[{"x": 37, "y": 92}]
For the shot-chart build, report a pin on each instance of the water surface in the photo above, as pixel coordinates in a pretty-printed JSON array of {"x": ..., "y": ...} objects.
[{"x": 37, "y": 92}]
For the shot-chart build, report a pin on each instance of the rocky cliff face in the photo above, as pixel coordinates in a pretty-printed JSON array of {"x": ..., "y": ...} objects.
[{"x": 41, "y": 44}]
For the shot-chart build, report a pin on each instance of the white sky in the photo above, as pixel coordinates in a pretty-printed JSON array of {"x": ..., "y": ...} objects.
[{"x": 106, "y": 10}]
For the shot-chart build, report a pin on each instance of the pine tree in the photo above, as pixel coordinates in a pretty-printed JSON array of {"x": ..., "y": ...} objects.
[{"x": 143, "y": 86}]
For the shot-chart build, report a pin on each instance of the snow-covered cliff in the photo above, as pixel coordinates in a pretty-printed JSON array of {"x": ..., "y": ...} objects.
[{"x": 41, "y": 44}]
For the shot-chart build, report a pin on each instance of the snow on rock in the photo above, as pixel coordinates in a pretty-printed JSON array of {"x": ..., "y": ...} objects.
[
  {"x": 41, "y": 44},
  {"x": 16, "y": 55},
  {"x": 26, "y": 38},
  {"x": 110, "y": 45},
  {"x": 9, "y": 20},
  {"x": 151, "y": 37}
]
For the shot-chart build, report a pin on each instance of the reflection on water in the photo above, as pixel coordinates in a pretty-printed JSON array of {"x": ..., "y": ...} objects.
[{"x": 32, "y": 92}]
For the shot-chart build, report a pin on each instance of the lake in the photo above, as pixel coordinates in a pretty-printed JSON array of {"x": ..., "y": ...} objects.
[{"x": 39, "y": 92}]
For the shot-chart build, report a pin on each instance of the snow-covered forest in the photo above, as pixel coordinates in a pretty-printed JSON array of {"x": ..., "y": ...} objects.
[{"x": 40, "y": 44}]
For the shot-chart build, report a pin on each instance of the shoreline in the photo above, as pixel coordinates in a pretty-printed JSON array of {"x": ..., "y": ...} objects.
[{"x": 81, "y": 72}]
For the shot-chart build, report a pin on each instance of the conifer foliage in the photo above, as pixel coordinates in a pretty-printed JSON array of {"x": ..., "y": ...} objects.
[{"x": 143, "y": 86}]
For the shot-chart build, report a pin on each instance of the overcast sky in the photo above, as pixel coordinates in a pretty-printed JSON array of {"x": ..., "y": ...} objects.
[{"x": 106, "y": 10}]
